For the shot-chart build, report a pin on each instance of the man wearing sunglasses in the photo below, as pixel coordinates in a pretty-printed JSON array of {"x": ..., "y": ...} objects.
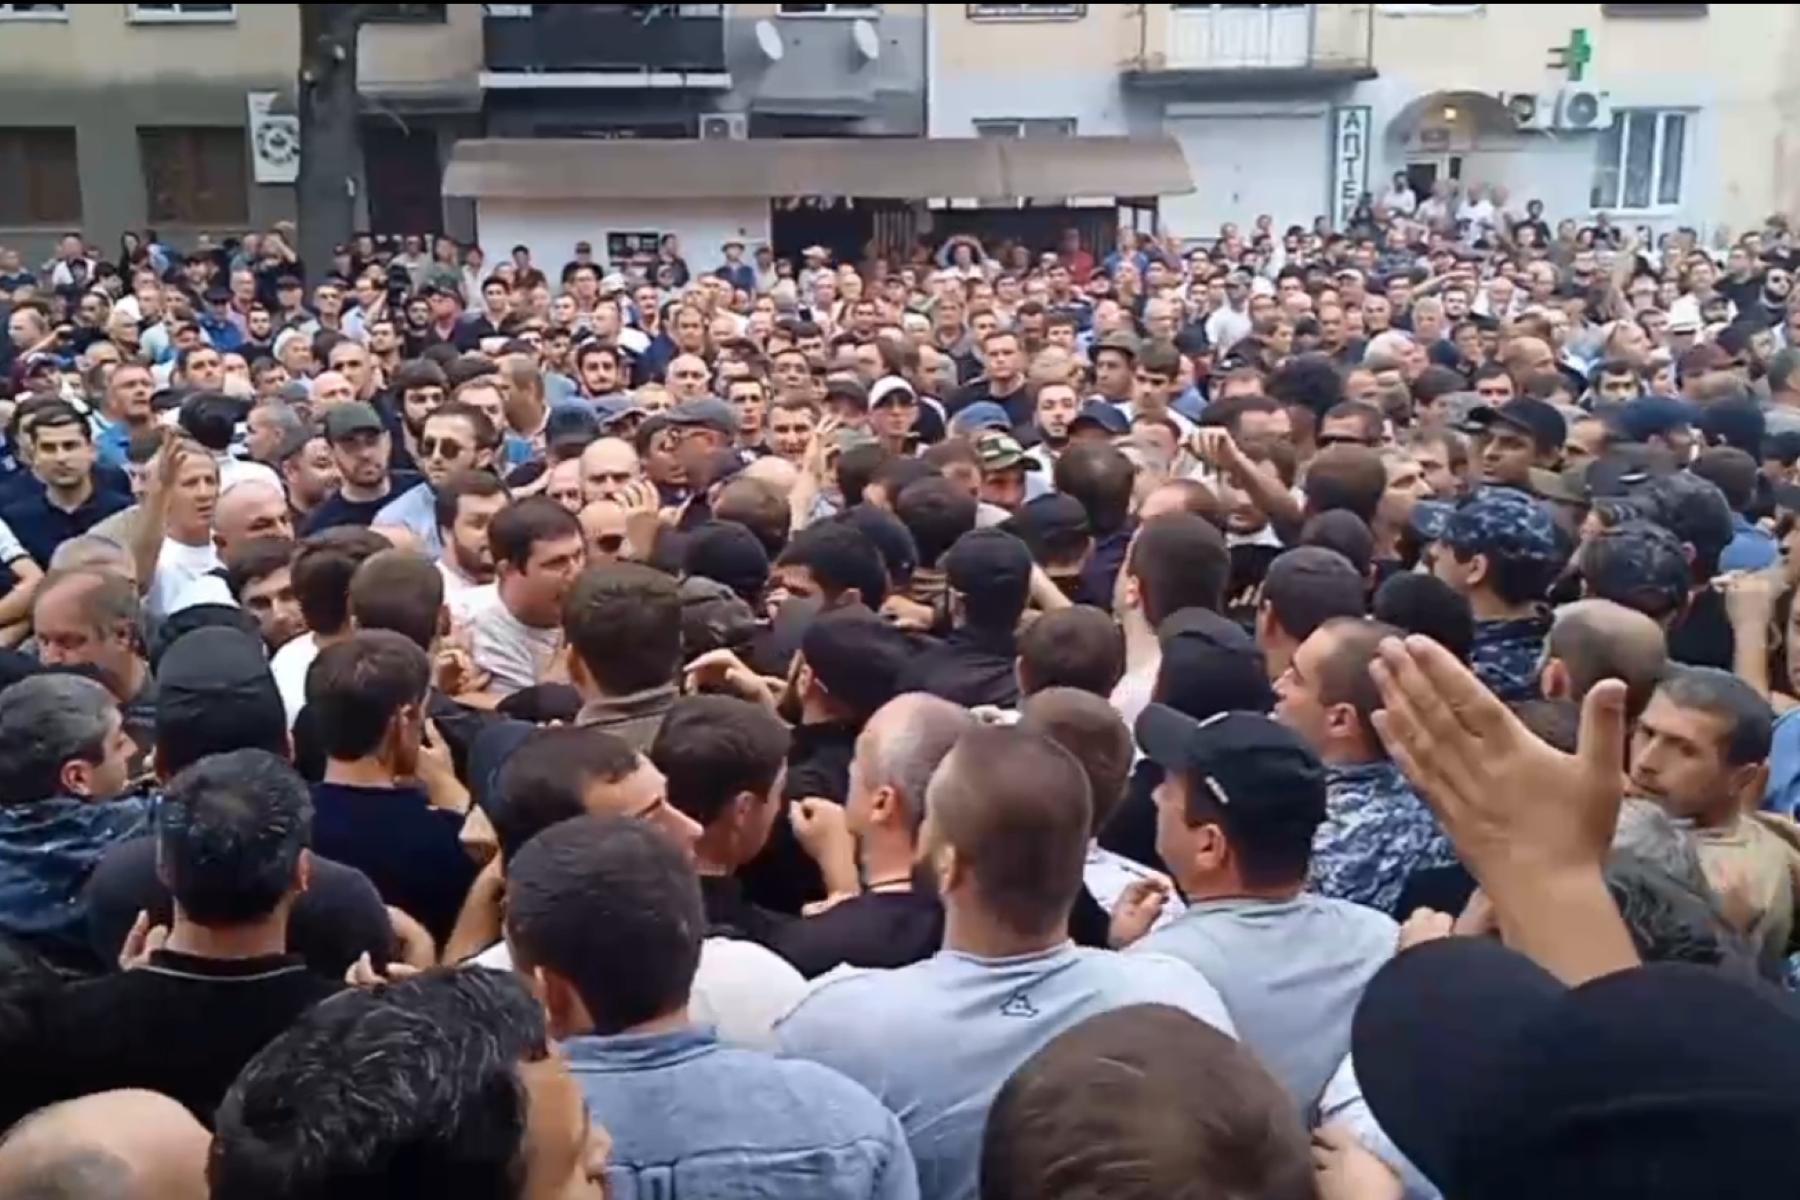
[{"x": 457, "y": 437}]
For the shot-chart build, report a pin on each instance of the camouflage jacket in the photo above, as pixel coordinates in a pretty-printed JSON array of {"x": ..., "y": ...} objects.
[
  {"x": 1506, "y": 656},
  {"x": 47, "y": 850},
  {"x": 1376, "y": 833}
]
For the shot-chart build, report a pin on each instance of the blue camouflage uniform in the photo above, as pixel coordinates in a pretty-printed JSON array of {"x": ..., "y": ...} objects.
[
  {"x": 1516, "y": 529},
  {"x": 1376, "y": 833},
  {"x": 1506, "y": 655},
  {"x": 48, "y": 848}
]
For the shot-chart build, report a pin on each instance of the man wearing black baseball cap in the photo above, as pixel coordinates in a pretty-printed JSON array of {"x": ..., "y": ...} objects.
[
  {"x": 1515, "y": 437},
  {"x": 1240, "y": 801},
  {"x": 361, "y": 448}
]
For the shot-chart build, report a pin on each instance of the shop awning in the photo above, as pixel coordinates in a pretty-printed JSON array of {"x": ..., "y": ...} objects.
[{"x": 897, "y": 168}]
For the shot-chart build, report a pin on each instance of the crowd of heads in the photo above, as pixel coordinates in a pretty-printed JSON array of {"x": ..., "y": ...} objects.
[{"x": 415, "y": 664}]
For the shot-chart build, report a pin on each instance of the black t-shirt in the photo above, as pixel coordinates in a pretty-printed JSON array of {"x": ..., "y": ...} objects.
[
  {"x": 337, "y": 918},
  {"x": 335, "y": 510},
  {"x": 784, "y": 878},
  {"x": 730, "y": 914},
  {"x": 1703, "y": 637},
  {"x": 180, "y": 1025},
  {"x": 410, "y": 851},
  {"x": 875, "y": 929}
]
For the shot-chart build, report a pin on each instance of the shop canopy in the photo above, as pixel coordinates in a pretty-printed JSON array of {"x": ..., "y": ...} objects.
[{"x": 896, "y": 168}]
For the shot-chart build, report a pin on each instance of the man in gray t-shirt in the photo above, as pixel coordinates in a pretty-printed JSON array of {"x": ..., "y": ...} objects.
[
  {"x": 1005, "y": 835},
  {"x": 1236, "y": 815}
]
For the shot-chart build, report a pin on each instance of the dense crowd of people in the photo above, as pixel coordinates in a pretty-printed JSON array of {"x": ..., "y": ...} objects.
[{"x": 1304, "y": 715}]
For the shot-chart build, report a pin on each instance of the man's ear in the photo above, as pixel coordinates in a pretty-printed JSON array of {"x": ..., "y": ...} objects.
[
  {"x": 1481, "y": 569},
  {"x": 75, "y": 777},
  {"x": 1554, "y": 681}
]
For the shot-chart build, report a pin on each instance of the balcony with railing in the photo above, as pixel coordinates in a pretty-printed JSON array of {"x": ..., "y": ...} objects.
[
  {"x": 668, "y": 45},
  {"x": 1239, "y": 45}
]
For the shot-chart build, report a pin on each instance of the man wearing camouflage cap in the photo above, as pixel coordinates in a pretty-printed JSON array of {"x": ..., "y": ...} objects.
[{"x": 1502, "y": 550}]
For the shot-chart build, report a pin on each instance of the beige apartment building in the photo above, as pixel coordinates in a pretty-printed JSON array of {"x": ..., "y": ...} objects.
[
  {"x": 178, "y": 117},
  {"x": 1669, "y": 114}
]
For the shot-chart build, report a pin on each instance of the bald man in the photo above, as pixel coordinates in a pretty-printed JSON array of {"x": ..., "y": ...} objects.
[
  {"x": 123, "y": 1145},
  {"x": 1597, "y": 639},
  {"x": 1525, "y": 356},
  {"x": 609, "y": 465},
  {"x": 777, "y": 473},
  {"x": 1005, "y": 835},
  {"x": 330, "y": 389},
  {"x": 252, "y": 509}
]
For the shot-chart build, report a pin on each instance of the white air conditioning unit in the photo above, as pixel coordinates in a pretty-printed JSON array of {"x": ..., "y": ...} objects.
[
  {"x": 1530, "y": 110},
  {"x": 1583, "y": 110},
  {"x": 724, "y": 127}
]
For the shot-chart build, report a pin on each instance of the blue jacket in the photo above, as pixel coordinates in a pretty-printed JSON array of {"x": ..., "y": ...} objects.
[
  {"x": 48, "y": 848},
  {"x": 693, "y": 1118}
]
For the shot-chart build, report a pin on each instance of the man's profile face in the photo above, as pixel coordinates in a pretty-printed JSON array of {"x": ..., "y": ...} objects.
[
  {"x": 643, "y": 795},
  {"x": 66, "y": 639},
  {"x": 1298, "y": 701}
]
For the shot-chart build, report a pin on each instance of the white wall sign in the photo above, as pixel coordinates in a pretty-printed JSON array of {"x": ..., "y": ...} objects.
[
  {"x": 274, "y": 140},
  {"x": 1349, "y": 161}
]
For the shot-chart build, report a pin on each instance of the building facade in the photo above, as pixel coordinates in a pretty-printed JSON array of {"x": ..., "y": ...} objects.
[
  {"x": 127, "y": 116},
  {"x": 1661, "y": 114}
]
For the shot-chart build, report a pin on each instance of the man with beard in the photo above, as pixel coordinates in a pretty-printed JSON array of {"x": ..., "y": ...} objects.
[
  {"x": 419, "y": 389},
  {"x": 457, "y": 437},
  {"x": 362, "y": 450},
  {"x": 466, "y": 504},
  {"x": 1058, "y": 403},
  {"x": 308, "y": 471}
]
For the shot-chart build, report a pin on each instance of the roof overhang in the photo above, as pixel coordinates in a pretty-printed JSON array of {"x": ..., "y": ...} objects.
[{"x": 897, "y": 168}]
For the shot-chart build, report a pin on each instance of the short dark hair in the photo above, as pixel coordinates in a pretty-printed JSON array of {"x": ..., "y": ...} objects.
[
  {"x": 760, "y": 509},
  {"x": 1343, "y": 533},
  {"x": 712, "y": 749},
  {"x": 856, "y": 469},
  {"x": 1310, "y": 381},
  {"x": 229, "y": 834},
  {"x": 840, "y": 557},
  {"x": 1143, "y": 1102},
  {"x": 898, "y": 474},
  {"x": 1426, "y": 605},
  {"x": 545, "y": 780},
  {"x": 1091, "y": 729},
  {"x": 1722, "y": 694},
  {"x": 590, "y": 894},
  {"x": 433, "y": 1062},
  {"x": 1307, "y": 586},
  {"x": 1101, "y": 477},
  {"x": 1347, "y": 477},
  {"x": 448, "y": 497},
  {"x": 256, "y": 559},
  {"x": 1180, "y": 561},
  {"x": 1733, "y": 472},
  {"x": 624, "y": 622},
  {"x": 523, "y": 524},
  {"x": 58, "y": 414},
  {"x": 1076, "y": 647},
  {"x": 417, "y": 373},
  {"x": 1018, "y": 810},
  {"x": 323, "y": 567},
  {"x": 1367, "y": 415},
  {"x": 936, "y": 512},
  {"x": 355, "y": 688},
  {"x": 400, "y": 591},
  {"x": 1344, "y": 676}
]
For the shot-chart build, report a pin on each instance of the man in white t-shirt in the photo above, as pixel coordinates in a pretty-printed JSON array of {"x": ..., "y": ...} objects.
[
  {"x": 466, "y": 505},
  {"x": 177, "y": 515},
  {"x": 516, "y": 634}
]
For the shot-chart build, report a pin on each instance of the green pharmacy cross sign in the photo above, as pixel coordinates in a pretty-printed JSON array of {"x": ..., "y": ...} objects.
[{"x": 1573, "y": 57}]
